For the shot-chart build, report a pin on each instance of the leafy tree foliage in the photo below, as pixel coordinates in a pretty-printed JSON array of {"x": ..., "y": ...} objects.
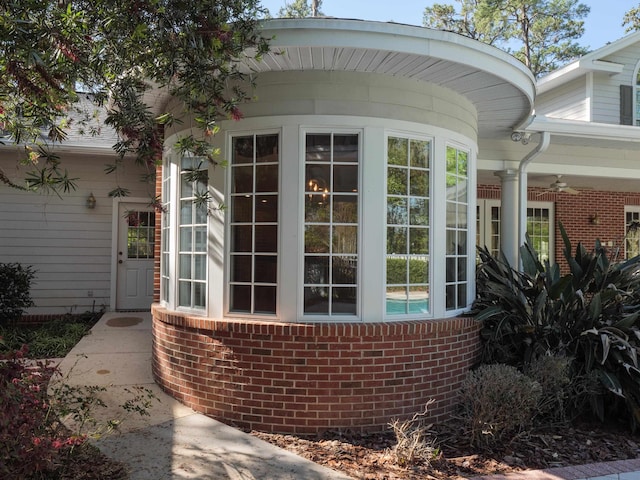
[
  {"x": 301, "y": 9},
  {"x": 119, "y": 54},
  {"x": 540, "y": 33},
  {"x": 473, "y": 20},
  {"x": 631, "y": 19}
]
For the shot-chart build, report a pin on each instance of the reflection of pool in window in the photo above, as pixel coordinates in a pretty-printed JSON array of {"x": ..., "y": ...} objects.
[{"x": 400, "y": 306}]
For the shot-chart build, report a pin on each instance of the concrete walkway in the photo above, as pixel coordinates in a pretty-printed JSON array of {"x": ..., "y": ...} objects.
[{"x": 174, "y": 443}]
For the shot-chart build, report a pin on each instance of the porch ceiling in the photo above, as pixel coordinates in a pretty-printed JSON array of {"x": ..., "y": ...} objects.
[
  {"x": 501, "y": 88},
  {"x": 602, "y": 157}
]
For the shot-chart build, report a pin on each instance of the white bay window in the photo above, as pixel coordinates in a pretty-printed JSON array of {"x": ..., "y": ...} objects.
[{"x": 322, "y": 223}]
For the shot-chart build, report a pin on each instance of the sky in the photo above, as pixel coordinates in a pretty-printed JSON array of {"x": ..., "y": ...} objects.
[{"x": 602, "y": 25}]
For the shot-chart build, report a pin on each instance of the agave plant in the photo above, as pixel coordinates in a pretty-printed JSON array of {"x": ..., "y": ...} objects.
[{"x": 590, "y": 314}]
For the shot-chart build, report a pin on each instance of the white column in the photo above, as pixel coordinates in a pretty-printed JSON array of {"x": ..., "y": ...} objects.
[{"x": 509, "y": 242}]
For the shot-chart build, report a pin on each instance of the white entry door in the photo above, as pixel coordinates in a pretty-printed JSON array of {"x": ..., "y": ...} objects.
[{"x": 136, "y": 234}]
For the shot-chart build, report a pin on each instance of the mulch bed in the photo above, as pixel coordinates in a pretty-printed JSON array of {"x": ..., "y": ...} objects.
[{"x": 370, "y": 456}]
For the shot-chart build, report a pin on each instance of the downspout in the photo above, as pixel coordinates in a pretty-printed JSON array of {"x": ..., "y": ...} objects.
[{"x": 522, "y": 184}]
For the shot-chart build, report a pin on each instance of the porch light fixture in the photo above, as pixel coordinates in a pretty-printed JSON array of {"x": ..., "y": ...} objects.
[
  {"x": 595, "y": 219},
  {"x": 91, "y": 201}
]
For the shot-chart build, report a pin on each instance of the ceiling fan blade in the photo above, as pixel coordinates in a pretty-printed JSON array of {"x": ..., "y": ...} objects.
[{"x": 570, "y": 190}]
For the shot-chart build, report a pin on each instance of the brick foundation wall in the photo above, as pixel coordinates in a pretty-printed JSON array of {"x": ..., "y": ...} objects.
[{"x": 308, "y": 378}]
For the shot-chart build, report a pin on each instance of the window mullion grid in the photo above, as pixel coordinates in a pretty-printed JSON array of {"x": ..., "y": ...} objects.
[
  {"x": 332, "y": 225},
  {"x": 254, "y": 189}
]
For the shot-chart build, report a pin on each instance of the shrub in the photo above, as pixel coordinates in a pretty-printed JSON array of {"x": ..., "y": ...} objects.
[
  {"x": 591, "y": 315},
  {"x": 34, "y": 399},
  {"x": 15, "y": 291},
  {"x": 497, "y": 401},
  {"x": 30, "y": 440},
  {"x": 553, "y": 375}
]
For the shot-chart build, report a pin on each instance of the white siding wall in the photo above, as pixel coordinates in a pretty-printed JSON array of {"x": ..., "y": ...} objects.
[
  {"x": 568, "y": 101},
  {"x": 68, "y": 245},
  {"x": 606, "y": 99}
]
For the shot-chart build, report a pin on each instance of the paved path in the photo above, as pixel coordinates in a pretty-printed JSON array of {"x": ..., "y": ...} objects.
[
  {"x": 618, "y": 470},
  {"x": 174, "y": 443}
]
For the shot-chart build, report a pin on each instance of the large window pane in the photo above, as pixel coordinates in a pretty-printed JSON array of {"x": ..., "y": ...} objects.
[
  {"x": 456, "y": 233},
  {"x": 192, "y": 241},
  {"x": 165, "y": 234},
  {"x": 407, "y": 259},
  {"x": 332, "y": 176},
  {"x": 255, "y": 177}
]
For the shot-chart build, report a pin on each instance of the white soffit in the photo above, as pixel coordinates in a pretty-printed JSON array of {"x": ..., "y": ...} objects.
[{"x": 501, "y": 88}]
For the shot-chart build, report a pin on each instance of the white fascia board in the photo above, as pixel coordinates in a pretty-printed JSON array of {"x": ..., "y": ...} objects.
[
  {"x": 575, "y": 70},
  {"x": 576, "y": 128},
  {"x": 394, "y": 37},
  {"x": 589, "y": 62}
]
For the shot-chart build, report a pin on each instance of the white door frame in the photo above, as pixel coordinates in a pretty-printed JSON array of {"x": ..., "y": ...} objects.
[{"x": 114, "y": 243}]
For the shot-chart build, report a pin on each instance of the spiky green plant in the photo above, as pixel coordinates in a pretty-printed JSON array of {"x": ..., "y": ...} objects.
[{"x": 590, "y": 314}]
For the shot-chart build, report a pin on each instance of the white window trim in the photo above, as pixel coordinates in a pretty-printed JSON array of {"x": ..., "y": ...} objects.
[
  {"x": 485, "y": 221},
  {"x": 418, "y": 137},
  {"x": 172, "y": 162},
  {"x": 327, "y": 129},
  {"x": 471, "y": 225},
  {"x": 484, "y": 232},
  {"x": 227, "y": 226},
  {"x": 372, "y": 212},
  {"x": 170, "y": 165},
  {"x": 628, "y": 209},
  {"x": 552, "y": 223}
]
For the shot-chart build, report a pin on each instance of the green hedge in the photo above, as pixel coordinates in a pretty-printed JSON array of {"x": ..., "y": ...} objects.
[{"x": 397, "y": 271}]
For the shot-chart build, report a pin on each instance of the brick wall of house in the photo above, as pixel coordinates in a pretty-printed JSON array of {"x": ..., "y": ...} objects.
[
  {"x": 307, "y": 378},
  {"x": 576, "y": 213}
]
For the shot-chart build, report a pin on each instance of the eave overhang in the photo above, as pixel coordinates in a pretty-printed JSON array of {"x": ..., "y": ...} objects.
[{"x": 501, "y": 88}]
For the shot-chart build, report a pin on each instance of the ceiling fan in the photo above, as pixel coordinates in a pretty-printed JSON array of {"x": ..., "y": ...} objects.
[{"x": 560, "y": 186}]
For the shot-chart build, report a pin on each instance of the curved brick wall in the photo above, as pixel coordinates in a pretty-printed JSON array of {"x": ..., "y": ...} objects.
[{"x": 308, "y": 378}]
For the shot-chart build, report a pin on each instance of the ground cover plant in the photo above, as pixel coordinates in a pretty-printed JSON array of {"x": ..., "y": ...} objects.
[{"x": 50, "y": 339}]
